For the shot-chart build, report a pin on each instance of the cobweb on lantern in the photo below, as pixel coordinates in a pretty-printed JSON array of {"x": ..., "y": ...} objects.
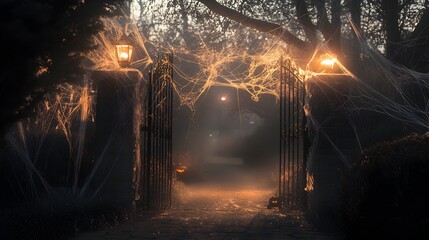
[{"x": 103, "y": 57}]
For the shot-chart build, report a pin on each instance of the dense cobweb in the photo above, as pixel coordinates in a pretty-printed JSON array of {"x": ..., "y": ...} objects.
[{"x": 386, "y": 88}]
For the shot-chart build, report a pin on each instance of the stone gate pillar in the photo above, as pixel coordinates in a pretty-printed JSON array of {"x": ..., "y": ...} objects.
[
  {"x": 333, "y": 146},
  {"x": 117, "y": 137}
]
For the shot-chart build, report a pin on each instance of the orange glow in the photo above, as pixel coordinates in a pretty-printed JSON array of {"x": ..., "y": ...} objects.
[
  {"x": 123, "y": 56},
  {"x": 42, "y": 70},
  {"x": 223, "y": 98},
  {"x": 310, "y": 183},
  {"x": 124, "y": 53},
  {"x": 180, "y": 170},
  {"x": 328, "y": 61}
]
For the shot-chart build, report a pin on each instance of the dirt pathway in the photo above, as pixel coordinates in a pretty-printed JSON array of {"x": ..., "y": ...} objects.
[{"x": 210, "y": 212}]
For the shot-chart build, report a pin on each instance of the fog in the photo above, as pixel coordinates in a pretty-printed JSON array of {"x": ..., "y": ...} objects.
[{"x": 229, "y": 141}]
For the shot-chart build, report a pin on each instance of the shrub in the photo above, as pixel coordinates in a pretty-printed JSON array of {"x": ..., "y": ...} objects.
[
  {"x": 57, "y": 220},
  {"x": 384, "y": 194}
]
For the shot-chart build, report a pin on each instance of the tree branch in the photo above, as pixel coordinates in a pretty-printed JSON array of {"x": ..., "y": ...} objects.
[{"x": 263, "y": 26}]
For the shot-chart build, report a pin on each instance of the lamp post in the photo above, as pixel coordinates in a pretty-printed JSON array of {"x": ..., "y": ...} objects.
[
  {"x": 336, "y": 146},
  {"x": 124, "y": 51}
]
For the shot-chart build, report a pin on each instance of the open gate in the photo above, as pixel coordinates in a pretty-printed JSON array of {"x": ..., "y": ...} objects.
[
  {"x": 156, "y": 167},
  {"x": 293, "y": 137}
]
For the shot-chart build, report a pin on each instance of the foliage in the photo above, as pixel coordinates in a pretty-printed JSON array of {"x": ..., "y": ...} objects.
[
  {"x": 384, "y": 193},
  {"x": 43, "y": 46}
]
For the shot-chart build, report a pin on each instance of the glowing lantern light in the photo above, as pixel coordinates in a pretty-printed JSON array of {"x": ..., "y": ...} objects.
[
  {"x": 223, "y": 99},
  {"x": 124, "y": 51},
  {"x": 327, "y": 61},
  {"x": 324, "y": 63},
  {"x": 274, "y": 202}
]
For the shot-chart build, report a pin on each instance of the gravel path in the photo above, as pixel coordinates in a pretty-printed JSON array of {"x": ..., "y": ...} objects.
[{"x": 211, "y": 212}]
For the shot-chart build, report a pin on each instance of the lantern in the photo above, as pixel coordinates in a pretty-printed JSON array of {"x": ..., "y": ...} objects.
[
  {"x": 324, "y": 63},
  {"x": 327, "y": 61},
  {"x": 124, "y": 51}
]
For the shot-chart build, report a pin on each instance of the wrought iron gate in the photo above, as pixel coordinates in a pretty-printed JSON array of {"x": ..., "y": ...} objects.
[
  {"x": 293, "y": 137},
  {"x": 156, "y": 178}
]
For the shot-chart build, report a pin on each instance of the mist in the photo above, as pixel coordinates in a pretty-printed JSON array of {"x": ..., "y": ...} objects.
[{"x": 229, "y": 140}]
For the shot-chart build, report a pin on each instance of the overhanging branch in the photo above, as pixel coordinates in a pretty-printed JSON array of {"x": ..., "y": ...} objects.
[{"x": 263, "y": 26}]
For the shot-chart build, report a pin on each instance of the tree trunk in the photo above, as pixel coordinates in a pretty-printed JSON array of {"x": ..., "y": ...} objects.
[
  {"x": 331, "y": 30},
  {"x": 354, "y": 60},
  {"x": 416, "y": 55},
  {"x": 391, "y": 22},
  {"x": 191, "y": 42},
  {"x": 334, "y": 40},
  {"x": 304, "y": 19},
  {"x": 356, "y": 11}
]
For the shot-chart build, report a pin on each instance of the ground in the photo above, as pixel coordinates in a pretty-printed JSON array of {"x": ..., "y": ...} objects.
[{"x": 203, "y": 211}]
